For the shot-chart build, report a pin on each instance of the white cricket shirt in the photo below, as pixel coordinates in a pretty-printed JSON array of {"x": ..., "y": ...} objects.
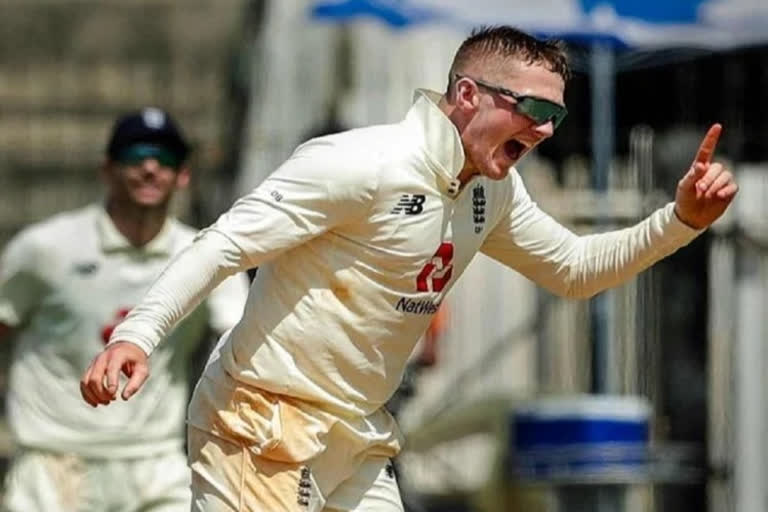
[
  {"x": 64, "y": 284},
  {"x": 358, "y": 239}
]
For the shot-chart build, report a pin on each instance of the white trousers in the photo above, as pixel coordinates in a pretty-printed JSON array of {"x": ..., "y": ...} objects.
[
  {"x": 45, "y": 482},
  {"x": 228, "y": 477}
]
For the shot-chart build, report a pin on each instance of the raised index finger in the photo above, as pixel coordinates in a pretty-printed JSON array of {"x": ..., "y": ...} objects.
[{"x": 708, "y": 145}]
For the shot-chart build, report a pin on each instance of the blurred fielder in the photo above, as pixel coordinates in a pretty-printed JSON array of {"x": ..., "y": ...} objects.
[
  {"x": 64, "y": 284},
  {"x": 358, "y": 237}
]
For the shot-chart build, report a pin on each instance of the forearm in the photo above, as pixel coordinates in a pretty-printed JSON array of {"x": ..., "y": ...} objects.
[
  {"x": 186, "y": 281},
  {"x": 606, "y": 260}
]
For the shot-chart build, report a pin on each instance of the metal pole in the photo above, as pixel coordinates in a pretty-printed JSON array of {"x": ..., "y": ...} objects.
[
  {"x": 599, "y": 497},
  {"x": 749, "y": 471},
  {"x": 602, "y": 75},
  {"x": 591, "y": 498}
]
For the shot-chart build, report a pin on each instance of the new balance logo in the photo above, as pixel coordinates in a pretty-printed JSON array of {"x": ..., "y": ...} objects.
[{"x": 410, "y": 204}]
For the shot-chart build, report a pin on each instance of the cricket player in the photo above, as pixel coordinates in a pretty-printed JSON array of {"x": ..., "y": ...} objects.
[
  {"x": 358, "y": 237},
  {"x": 65, "y": 283}
]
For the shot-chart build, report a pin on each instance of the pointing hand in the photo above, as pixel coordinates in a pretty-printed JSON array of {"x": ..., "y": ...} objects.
[{"x": 707, "y": 189}]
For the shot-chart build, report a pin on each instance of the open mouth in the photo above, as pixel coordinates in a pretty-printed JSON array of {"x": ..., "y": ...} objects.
[{"x": 514, "y": 149}]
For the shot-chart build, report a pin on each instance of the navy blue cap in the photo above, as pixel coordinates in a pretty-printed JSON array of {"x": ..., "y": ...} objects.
[{"x": 148, "y": 126}]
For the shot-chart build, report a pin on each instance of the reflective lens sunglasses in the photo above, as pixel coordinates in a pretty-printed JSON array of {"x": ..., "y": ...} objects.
[
  {"x": 137, "y": 153},
  {"x": 541, "y": 111}
]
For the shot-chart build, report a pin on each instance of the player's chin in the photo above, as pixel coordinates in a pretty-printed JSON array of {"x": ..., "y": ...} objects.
[
  {"x": 150, "y": 196},
  {"x": 150, "y": 200},
  {"x": 498, "y": 169}
]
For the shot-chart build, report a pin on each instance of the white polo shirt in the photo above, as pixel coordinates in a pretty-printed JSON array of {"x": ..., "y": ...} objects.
[
  {"x": 64, "y": 285},
  {"x": 358, "y": 238}
]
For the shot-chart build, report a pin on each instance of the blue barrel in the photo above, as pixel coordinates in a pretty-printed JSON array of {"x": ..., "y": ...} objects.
[{"x": 581, "y": 439}]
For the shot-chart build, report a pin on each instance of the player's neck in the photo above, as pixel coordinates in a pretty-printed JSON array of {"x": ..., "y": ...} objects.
[{"x": 138, "y": 224}]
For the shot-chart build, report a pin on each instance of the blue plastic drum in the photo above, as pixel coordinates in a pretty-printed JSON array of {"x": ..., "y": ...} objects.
[{"x": 582, "y": 439}]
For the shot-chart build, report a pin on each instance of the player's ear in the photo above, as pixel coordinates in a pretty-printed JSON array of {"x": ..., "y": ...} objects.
[
  {"x": 466, "y": 94},
  {"x": 182, "y": 177},
  {"x": 105, "y": 171}
]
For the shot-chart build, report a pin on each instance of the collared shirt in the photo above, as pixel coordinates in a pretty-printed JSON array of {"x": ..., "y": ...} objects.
[
  {"x": 64, "y": 284},
  {"x": 358, "y": 237},
  {"x": 112, "y": 240}
]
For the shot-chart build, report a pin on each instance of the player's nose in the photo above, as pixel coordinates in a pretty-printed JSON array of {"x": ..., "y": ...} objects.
[
  {"x": 544, "y": 130},
  {"x": 150, "y": 165}
]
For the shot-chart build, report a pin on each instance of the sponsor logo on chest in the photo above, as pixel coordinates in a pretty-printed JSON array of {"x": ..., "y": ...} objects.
[
  {"x": 417, "y": 307},
  {"x": 437, "y": 271}
]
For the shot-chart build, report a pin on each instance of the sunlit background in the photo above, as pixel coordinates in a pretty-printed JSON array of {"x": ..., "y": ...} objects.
[{"x": 679, "y": 349}]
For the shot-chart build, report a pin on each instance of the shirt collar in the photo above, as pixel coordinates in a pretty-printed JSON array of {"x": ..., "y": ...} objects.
[
  {"x": 112, "y": 240},
  {"x": 442, "y": 142}
]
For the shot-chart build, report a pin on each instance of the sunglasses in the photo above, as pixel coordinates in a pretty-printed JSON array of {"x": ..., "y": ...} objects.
[
  {"x": 541, "y": 111},
  {"x": 137, "y": 153}
]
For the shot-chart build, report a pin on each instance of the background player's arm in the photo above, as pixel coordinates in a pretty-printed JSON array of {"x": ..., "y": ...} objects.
[
  {"x": 22, "y": 287},
  {"x": 5, "y": 331}
]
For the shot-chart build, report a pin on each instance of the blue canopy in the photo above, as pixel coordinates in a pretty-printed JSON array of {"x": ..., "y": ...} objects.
[{"x": 642, "y": 24}]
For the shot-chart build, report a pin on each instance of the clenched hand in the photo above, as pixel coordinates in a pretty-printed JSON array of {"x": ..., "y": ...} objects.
[{"x": 100, "y": 381}]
